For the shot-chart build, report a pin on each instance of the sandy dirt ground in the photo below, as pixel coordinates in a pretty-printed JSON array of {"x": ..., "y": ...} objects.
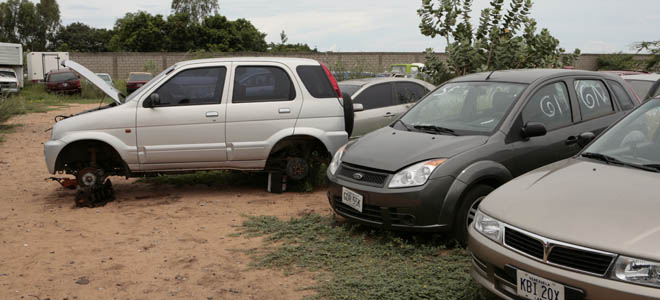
[{"x": 153, "y": 242}]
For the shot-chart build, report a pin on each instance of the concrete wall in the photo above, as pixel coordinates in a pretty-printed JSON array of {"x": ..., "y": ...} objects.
[{"x": 119, "y": 64}]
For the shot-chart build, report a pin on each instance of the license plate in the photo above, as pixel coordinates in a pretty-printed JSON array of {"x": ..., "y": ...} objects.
[
  {"x": 351, "y": 199},
  {"x": 536, "y": 288}
]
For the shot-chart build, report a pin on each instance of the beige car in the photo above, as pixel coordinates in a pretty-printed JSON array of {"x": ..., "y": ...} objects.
[{"x": 583, "y": 228}]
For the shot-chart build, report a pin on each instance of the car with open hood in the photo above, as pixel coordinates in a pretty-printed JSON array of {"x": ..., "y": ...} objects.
[
  {"x": 225, "y": 113},
  {"x": 582, "y": 228},
  {"x": 430, "y": 168}
]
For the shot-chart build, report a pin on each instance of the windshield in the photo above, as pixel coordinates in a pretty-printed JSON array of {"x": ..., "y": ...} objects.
[
  {"x": 398, "y": 69},
  {"x": 349, "y": 89},
  {"x": 150, "y": 83},
  {"x": 634, "y": 140},
  {"x": 139, "y": 77},
  {"x": 465, "y": 107},
  {"x": 7, "y": 74},
  {"x": 62, "y": 76}
]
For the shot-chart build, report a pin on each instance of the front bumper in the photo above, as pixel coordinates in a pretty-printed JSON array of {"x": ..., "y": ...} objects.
[
  {"x": 493, "y": 267},
  {"x": 413, "y": 209},
  {"x": 51, "y": 151},
  {"x": 9, "y": 90}
]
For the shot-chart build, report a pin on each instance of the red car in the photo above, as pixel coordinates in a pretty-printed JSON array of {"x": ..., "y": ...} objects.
[
  {"x": 63, "y": 81},
  {"x": 136, "y": 80}
]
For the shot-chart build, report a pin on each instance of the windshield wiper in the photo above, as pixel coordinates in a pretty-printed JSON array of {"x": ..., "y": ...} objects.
[
  {"x": 611, "y": 160},
  {"x": 402, "y": 123},
  {"x": 435, "y": 129}
]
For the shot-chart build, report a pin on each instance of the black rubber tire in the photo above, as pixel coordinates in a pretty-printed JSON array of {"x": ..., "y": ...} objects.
[
  {"x": 349, "y": 115},
  {"x": 475, "y": 194}
]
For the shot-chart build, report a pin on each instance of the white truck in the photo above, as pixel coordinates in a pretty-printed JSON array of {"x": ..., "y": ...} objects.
[
  {"x": 40, "y": 63},
  {"x": 11, "y": 57}
]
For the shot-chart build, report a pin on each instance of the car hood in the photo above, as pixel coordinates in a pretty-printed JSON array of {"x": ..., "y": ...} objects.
[
  {"x": 590, "y": 204},
  {"x": 94, "y": 79},
  {"x": 391, "y": 150}
]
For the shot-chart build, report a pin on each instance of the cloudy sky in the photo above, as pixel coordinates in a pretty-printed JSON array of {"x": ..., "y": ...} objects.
[{"x": 594, "y": 26}]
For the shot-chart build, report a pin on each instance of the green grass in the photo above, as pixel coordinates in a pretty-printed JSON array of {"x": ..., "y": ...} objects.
[{"x": 353, "y": 262}]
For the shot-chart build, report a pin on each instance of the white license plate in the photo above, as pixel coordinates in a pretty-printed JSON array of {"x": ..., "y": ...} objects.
[
  {"x": 351, "y": 199},
  {"x": 536, "y": 288}
]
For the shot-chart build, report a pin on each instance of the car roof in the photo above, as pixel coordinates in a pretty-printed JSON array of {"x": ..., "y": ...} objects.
[
  {"x": 527, "y": 75},
  {"x": 292, "y": 60},
  {"x": 363, "y": 81},
  {"x": 146, "y": 73},
  {"x": 646, "y": 77}
]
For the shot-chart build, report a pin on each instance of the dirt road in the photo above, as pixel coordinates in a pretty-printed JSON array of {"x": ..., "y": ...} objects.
[{"x": 153, "y": 242}]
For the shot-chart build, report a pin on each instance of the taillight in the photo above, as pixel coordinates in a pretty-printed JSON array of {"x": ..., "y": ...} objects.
[{"x": 335, "y": 86}]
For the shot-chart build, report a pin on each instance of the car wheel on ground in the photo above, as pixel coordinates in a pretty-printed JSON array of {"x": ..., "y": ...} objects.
[{"x": 468, "y": 209}]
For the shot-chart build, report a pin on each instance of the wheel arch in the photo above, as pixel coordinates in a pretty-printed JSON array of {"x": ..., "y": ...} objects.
[{"x": 77, "y": 149}]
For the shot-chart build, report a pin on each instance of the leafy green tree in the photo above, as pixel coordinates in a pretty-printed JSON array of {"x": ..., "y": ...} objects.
[
  {"x": 196, "y": 10},
  {"x": 28, "y": 26},
  {"x": 222, "y": 35},
  {"x": 48, "y": 12},
  {"x": 284, "y": 47},
  {"x": 181, "y": 34},
  {"x": 617, "y": 61},
  {"x": 8, "y": 20},
  {"x": 81, "y": 38},
  {"x": 139, "y": 32},
  {"x": 653, "y": 47},
  {"x": 504, "y": 39}
]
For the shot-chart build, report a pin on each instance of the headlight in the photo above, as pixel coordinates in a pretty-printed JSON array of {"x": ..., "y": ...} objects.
[
  {"x": 416, "y": 174},
  {"x": 488, "y": 226},
  {"x": 637, "y": 271},
  {"x": 336, "y": 160}
]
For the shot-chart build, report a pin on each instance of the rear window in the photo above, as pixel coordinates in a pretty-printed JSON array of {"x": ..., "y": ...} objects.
[
  {"x": 641, "y": 87},
  {"x": 316, "y": 82},
  {"x": 62, "y": 76},
  {"x": 349, "y": 89},
  {"x": 139, "y": 77}
]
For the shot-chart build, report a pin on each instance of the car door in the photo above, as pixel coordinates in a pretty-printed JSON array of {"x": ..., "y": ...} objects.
[
  {"x": 596, "y": 108},
  {"x": 185, "y": 127},
  {"x": 551, "y": 105},
  {"x": 378, "y": 103},
  {"x": 264, "y": 107}
]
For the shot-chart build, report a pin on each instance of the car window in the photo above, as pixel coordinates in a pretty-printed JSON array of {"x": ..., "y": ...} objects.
[
  {"x": 377, "y": 96},
  {"x": 408, "y": 92},
  {"x": 349, "y": 89},
  {"x": 139, "y": 77},
  {"x": 316, "y": 82},
  {"x": 193, "y": 87},
  {"x": 641, "y": 87},
  {"x": 621, "y": 95},
  {"x": 550, "y": 105},
  {"x": 262, "y": 84},
  {"x": 594, "y": 99},
  {"x": 64, "y": 76}
]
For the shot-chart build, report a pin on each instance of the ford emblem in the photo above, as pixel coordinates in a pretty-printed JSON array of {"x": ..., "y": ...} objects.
[{"x": 358, "y": 176}]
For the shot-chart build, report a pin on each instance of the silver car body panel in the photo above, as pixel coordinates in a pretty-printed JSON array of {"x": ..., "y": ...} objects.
[{"x": 202, "y": 137}]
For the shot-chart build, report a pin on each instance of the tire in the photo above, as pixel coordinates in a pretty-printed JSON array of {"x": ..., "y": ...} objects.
[
  {"x": 349, "y": 115},
  {"x": 469, "y": 203}
]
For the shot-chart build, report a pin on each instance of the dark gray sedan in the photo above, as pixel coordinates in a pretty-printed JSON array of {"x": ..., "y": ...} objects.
[{"x": 430, "y": 169}]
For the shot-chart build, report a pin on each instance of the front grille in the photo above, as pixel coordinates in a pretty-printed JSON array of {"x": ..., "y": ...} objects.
[
  {"x": 523, "y": 243},
  {"x": 368, "y": 177},
  {"x": 580, "y": 259},
  {"x": 375, "y": 214},
  {"x": 8, "y": 84},
  {"x": 558, "y": 253}
]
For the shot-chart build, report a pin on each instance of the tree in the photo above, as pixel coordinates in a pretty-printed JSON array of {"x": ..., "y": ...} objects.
[
  {"x": 503, "y": 40},
  {"x": 138, "y": 32},
  {"x": 81, "y": 38},
  {"x": 222, "y": 35},
  {"x": 8, "y": 20},
  {"x": 197, "y": 10},
  {"x": 48, "y": 13},
  {"x": 653, "y": 47},
  {"x": 28, "y": 26},
  {"x": 284, "y": 47}
]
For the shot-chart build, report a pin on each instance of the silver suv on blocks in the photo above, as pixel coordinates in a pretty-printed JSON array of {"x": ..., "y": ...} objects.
[{"x": 223, "y": 113}]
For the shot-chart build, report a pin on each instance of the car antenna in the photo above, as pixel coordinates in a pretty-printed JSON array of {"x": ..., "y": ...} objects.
[{"x": 491, "y": 73}]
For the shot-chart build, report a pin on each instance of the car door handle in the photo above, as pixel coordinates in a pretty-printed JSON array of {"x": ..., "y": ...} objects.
[
  {"x": 389, "y": 115},
  {"x": 571, "y": 140},
  {"x": 212, "y": 114},
  {"x": 284, "y": 110}
]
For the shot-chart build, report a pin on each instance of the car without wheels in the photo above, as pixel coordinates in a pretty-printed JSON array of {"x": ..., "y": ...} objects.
[
  {"x": 430, "y": 169},
  {"x": 272, "y": 114},
  {"x": 582, "y": 228},
  {"x": 378, "y": 101}
]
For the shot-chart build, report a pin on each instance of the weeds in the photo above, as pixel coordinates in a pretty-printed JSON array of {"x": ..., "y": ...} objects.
[{"x": 352, "y": 262}]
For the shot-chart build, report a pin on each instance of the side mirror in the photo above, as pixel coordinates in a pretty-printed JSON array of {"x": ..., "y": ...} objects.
[
  {"x": 585, "y": 138},
  {"x": 358, "y": 107},
  {"x": 533, "y": 129},
  {"x": 152, "y": 101}
]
